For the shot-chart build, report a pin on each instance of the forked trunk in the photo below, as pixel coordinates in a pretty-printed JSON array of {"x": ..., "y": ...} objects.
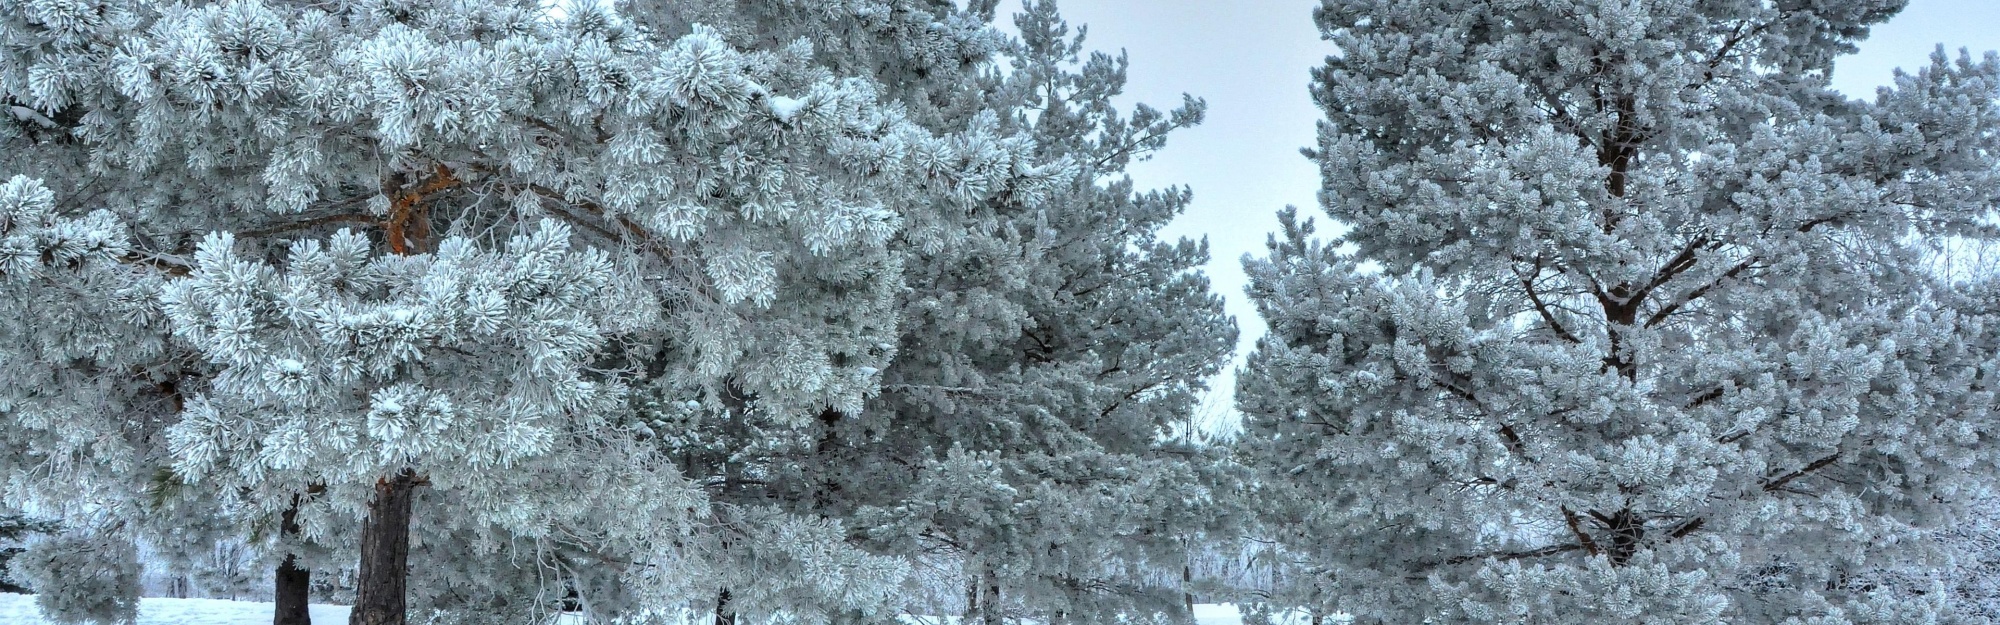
[{"x": 385, "y": 554}]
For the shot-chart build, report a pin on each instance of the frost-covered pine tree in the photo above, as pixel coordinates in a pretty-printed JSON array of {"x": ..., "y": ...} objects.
[
  {"x": 1633, "y": 323},
  {"x": 15, "y": 530},
  {"x": 393, "y": 268},
  {"x": 1047, "y": 352},
  {"x": 1048, "y": 340}
]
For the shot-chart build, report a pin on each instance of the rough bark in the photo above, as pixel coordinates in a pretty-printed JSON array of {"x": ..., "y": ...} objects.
[
  {"x": 293, "y": 582},
  {"x": 379, "y": 597},
  {"x": 725, "y": 614},
  {"x": 293, "y": 589}
]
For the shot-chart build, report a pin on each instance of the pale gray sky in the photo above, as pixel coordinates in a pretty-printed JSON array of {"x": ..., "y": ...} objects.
[{"x": 1249, "y": 59}]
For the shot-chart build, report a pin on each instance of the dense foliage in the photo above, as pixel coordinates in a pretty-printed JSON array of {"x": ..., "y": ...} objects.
[
  {"x": 809, "y": 311},
  {"x": 547, "y": 303},
  {"x": 1636, "y": 321}
]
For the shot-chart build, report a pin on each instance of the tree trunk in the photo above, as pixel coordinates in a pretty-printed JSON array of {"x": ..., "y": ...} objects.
[
  {"x": 725, "y": 614},
  {"x": 294, "y": 584},
  {"x": 989, "y": 608},
  {"x": 385, "y": 554},
  {"x": 1187, "y": 587},
  {"x": 971, "y": 596}
]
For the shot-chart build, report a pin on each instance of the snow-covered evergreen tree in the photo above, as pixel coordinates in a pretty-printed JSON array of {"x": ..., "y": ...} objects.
[
  {"x": 1049, "y": 339},
  {"x": 393, "y": 266},
  {"x": 1633, "y": 323},
  {"x": 1045, "y": 358},
  {"x": 15, "y": 531}
]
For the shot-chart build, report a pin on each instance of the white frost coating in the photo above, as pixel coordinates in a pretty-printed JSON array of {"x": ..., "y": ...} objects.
[
  {"x": 414, "y": 248},
  {"x": 1636, "y": 327},
  {"x": 784, "y": 108}
]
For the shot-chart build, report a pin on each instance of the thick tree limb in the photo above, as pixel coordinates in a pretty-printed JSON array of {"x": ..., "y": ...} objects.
[
  {"x": 408, "y": 226},
  {"x": 1576, "y": 527}
]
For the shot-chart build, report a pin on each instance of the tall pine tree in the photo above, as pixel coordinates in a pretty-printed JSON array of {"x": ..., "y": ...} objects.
[
  {"x": 1633, "y": 323},
  {"x": 1046, "y": 358},
  {"x": 1050, "y": 339}
]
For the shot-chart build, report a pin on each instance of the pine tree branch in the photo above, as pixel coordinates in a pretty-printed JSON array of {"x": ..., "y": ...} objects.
[
  {"x": 1583, "y": 538},
  {"x": 1542, "y": 308},
  {"x": 173, "y": 267},
  {"x": 643, "y": 238},
  {"x": 1681, "y": 262},
  {"x": 1664, "y": 312},
  {"x": 1689, "y": 526},
  {"x": 1704, "y": 398},
  {"x": 1514, "y": 555},
  {"x": 1661, "y": 315},
  {"x": 307, "y": 223},
  {"x": 1778, "y": 483},
  {"x": 938, "y": 389}
]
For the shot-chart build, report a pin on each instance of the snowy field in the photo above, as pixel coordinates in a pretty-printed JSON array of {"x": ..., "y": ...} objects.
[{"x": 20, "y": 610}]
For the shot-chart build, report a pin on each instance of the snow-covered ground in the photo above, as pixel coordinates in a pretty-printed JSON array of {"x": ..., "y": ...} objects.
[
  {"x": 20, "y": 610},
  {"x": 1204, "y": 614}
]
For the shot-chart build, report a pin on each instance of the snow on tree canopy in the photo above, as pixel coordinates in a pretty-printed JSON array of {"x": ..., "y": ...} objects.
[
  {"x": 432, "y": 247},
  {"x": 1634, "y": 323}
]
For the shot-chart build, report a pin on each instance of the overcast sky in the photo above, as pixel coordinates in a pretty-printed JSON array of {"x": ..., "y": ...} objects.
[{"x": 1249, "y": 59}]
